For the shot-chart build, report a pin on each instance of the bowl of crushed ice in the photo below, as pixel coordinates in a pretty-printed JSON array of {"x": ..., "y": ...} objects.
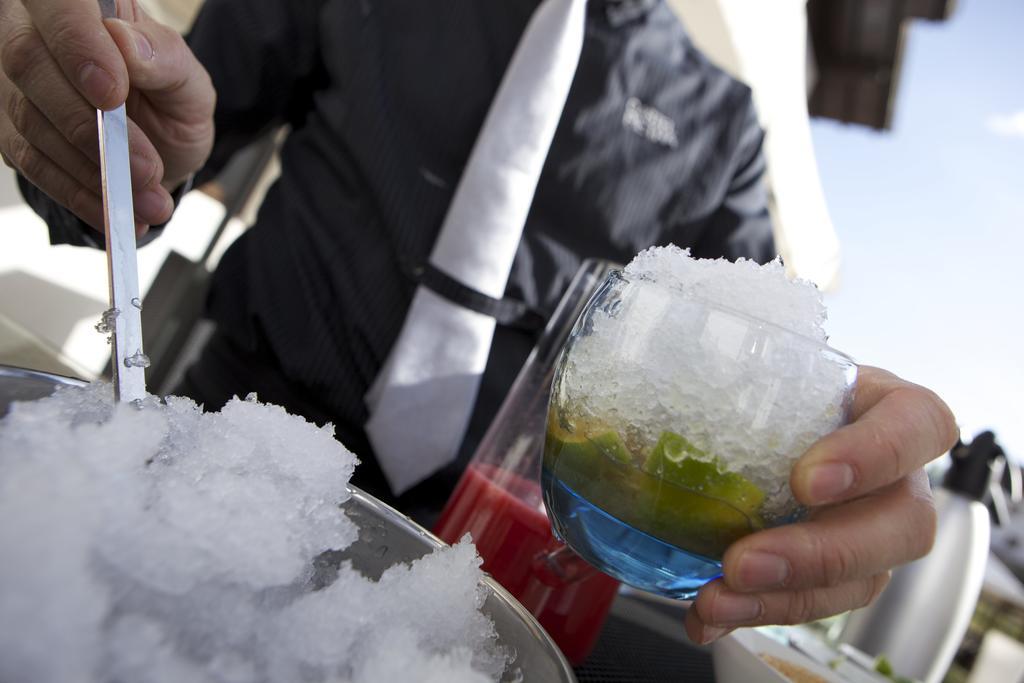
[{"x": 158, "y": 543}]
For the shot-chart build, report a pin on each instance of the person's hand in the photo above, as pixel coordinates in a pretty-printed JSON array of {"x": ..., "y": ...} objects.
[
  {"x": 61, "y": 62},
  {"x": 871, "y": 511}
]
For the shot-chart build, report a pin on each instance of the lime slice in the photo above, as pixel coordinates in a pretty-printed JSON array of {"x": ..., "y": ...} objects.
[
  {"x": 679, "y": 462},
  {"x": 561, "y": 442},
  {"x": 675, "y": 496},
  {"x": 585, "y": 440},
  {"x": 592, "y": 467},
  {"x": 609, "y": 444}
]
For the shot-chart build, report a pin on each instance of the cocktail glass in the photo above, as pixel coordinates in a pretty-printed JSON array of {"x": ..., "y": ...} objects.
[{"x": 672, "y": 428}]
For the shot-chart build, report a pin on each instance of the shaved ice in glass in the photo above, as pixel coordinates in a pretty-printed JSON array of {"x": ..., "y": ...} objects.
[{"x": 686, "y": 392}]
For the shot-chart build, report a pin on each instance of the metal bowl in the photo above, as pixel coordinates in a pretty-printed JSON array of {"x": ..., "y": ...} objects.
[
  {"x": 386, "y": 537},
  {"x": 18, "y": 384}
]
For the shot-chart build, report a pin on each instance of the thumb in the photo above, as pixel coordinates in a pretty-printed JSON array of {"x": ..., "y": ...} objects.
[{"x": 160, "y": 64}]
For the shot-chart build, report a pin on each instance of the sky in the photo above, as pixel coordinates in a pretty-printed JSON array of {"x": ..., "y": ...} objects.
[{"x": 930, "y": 218}]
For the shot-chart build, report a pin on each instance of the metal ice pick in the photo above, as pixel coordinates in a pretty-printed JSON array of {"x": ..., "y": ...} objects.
[{"x": 122, "y": 267}]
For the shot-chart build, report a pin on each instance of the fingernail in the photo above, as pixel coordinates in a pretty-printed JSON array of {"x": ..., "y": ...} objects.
[
  {"x": 734, "y": 608},
  {"x": 152, "y": 206},
  {"x": 758, "y": 570},
  {"x": 95, "y": 82},
  {"x": 710, "y": 634},
  {"x": 829, "y": 481},
  {"x": 143, "y": 48}
]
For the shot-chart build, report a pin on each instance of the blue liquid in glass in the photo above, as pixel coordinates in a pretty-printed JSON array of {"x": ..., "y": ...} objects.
[{"x": 626, "y": 553}]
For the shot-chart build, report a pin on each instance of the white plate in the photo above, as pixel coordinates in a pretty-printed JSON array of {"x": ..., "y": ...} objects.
[{"x": 738, "y": 659}]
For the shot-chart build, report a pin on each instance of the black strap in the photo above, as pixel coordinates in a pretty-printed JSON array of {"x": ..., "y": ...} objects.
[{"x": 507, "y": 312}]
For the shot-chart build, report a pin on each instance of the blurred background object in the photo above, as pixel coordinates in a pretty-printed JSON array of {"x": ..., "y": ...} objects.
[
  {"x": 858, "y": 51},
  {"x": 766, "y": 46},
  {"x": 838, "y": 59},
  {"x": 920, "y": 619},
  {"x": 178, "y": 14}
]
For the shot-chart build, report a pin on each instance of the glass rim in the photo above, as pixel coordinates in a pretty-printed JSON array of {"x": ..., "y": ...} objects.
[{"x": 619, "y": 274}]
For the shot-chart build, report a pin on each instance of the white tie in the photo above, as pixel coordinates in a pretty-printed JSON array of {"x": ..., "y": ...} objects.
[{"x": 421, "y": 401}]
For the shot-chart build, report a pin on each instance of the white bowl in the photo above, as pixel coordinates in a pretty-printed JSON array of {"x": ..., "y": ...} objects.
[{"x": 738, "y": 658}]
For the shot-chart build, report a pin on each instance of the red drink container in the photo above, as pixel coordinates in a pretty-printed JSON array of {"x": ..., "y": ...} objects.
[
  {"x": 499, "y": 503},
  {"x": 569, "y": 599}
]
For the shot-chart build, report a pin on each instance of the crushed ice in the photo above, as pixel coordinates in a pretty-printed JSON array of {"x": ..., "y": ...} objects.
[
  {"x": 108, "y": 320},
  {"x": 742, "y": 391},
  {"x": 107, "y": 323},
  {"x": 762, "y": 291},
  {"x": 165, "y": 544},
  {"x": 137, "y": 360}
]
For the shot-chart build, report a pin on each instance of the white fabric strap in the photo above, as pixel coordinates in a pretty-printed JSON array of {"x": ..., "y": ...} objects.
[{"x": 422, "y": 399}]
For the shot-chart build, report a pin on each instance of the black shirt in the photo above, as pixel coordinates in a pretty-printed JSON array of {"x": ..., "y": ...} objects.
[{"x": 384, "y": 100}]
